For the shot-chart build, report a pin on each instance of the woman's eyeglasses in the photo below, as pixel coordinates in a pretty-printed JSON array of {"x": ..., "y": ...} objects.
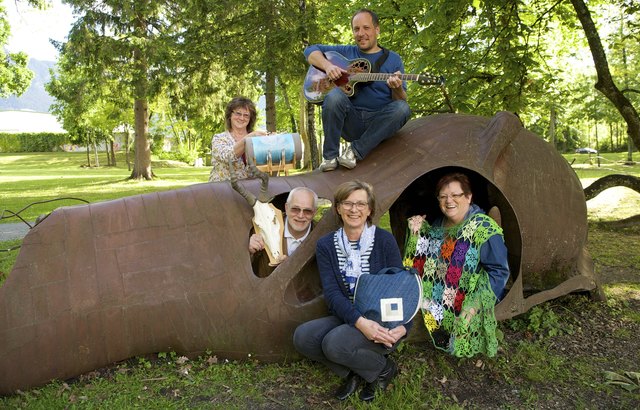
[
  {"x": 349, "y": 205},
  {"x": 307, "y": 212},
  {"x": 455, "y": 197},
  {"x": 242, "y": 115}
]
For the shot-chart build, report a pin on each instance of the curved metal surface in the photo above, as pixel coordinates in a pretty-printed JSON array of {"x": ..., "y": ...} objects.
[{"x": 170, "y": 271}]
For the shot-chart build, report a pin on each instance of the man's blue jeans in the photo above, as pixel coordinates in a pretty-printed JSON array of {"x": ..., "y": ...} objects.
[
  {"x": 341, "y": 347},
  {"x": 364, "y": 129}
]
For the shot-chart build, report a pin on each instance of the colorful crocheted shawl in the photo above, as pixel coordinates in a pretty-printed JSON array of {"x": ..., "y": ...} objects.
[{"x": 458, "y": 303}]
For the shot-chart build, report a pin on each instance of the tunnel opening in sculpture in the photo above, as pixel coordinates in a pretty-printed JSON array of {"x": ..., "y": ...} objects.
[
  {"x": 419, "y": 198},
  {"x": 305, "y": 286}
]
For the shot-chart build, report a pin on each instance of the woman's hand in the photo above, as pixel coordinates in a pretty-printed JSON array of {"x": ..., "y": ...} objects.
[
  {"x": 398, "y": 332},
  {"x": 238, "y": 147},
  {"x": 256, "y": 133},
  {"x": 379, "y": 334}
]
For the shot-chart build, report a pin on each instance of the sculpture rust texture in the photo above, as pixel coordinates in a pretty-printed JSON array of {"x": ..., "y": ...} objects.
[{"x": 170, "y": 271}]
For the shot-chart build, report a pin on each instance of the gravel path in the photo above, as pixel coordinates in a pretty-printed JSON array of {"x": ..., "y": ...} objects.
[{"x": 13, "y": 231}]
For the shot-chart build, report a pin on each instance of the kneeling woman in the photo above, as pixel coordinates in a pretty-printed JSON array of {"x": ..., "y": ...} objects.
[
  {"x": 353, "y": 347},
  {"x": 463, "y": 261}
]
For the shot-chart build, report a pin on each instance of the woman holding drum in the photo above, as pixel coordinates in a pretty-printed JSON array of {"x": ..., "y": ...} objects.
[{"x": 240, "y": 118}]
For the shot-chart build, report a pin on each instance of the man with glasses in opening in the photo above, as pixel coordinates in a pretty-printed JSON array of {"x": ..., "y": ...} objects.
[{"x": 300, "y": 208}]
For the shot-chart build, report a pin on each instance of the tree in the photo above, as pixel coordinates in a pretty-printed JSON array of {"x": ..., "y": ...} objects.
[
  {"x": 259, "y": 41},
  {"x": 192, "y": 104},
  {"x": 125, "y": 42},
  {"x": 184, "y": 60},
  {"x": 72, "y": 91},
  {"x": 89, "y": 109},
  {"x": 606, "y": 84},
  {"x": 15, "y": 77}
]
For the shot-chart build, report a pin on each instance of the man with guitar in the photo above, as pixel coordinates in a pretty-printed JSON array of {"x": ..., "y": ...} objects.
[{"x": 376, "y": 110}]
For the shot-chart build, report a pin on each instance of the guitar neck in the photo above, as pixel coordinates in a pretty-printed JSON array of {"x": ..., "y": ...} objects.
[{"x": 385, "y": 76}]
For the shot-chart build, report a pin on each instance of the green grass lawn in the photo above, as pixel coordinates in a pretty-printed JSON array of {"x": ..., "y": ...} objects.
[
  {"x": 539, "y": 361},
  {"x": 591, "y": 167},
  {"x": 35, "y": 177},
  {"x": 614, "y": 203}
]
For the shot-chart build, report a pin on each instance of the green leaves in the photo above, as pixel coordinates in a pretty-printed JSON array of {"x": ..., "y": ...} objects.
[
  {"x": 542, "y": 321},
  {"x": 629, "y": 381},
  {"x": 15, "y": 77}
]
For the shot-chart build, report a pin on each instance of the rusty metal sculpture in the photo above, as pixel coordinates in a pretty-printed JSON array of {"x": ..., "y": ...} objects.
[{"x": 170, "y": 271}]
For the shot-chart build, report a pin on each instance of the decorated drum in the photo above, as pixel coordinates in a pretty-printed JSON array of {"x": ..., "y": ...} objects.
[{"x": 274, "y": 150}]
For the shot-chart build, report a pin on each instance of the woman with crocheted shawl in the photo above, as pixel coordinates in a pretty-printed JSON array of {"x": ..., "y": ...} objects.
[{"x": 463, "y": 262}]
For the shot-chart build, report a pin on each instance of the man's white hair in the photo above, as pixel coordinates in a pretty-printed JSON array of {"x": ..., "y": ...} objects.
[{"x": 301, "y": 189}]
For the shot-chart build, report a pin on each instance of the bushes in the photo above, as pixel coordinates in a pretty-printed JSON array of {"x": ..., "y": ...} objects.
[
  {"x": 9, "y": 143},
  {"x": 32, "y": 142}
]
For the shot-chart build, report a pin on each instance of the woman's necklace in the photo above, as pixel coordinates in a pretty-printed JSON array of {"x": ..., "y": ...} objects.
[
  {"x": 353, "y": 235},
  {"x": 238, "y": 135}
]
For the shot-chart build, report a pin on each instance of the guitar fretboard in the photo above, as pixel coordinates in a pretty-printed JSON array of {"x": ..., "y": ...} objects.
[{"x": 425, "y": 79}]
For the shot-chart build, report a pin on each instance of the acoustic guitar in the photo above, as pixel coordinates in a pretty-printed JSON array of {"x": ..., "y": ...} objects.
[{"x": 317, "y": 84}]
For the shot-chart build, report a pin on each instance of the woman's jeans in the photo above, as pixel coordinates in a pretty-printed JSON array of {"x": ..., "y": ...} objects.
[{"x": 341, "y": 347}]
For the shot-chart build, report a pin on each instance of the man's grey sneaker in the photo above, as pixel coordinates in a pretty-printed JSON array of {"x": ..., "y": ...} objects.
[
  {"x": 328, "y": 165},
  {"x": 347, "y": 159}
]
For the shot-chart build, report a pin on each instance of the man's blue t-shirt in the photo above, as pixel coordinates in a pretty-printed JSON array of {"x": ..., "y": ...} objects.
[{"x": 374, "y": 96}]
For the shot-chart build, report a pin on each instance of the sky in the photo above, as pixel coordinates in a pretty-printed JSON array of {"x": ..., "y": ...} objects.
[{"x": 31, "y": 29}]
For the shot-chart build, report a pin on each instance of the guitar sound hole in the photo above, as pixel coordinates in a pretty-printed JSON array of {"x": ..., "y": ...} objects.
[{"x": 360, "y": 67}]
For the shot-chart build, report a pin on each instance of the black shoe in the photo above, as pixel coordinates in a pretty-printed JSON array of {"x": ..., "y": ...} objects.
[
  {"x": 350, "y": 385},
  {"x": 381, "y": 383}
]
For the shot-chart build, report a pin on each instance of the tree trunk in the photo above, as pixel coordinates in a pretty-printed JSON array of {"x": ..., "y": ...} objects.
[
  {"x": 287, "y": 103},
  {"x": 126, "y": 146},
  {"x": 142, "y": 163},
  {"x": 611, "y": 181},
  {"x": 113, "y": 154},
  {"x": 626, "y": 84},
  {"x": 611, "y": 137},
  {"x": 270, "y": 72},
  {"x": 95, "y": 151},
  {"x": 108, "y": 149},
  {"x": 605, "y": 82},
  {"x": 270, "y": 100},
  {"x": 552, "y": 127},
  {"x": 142, "y": 159},
  {"x": 307, "y": 112},
  {"x": 311, "y": 130}
]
